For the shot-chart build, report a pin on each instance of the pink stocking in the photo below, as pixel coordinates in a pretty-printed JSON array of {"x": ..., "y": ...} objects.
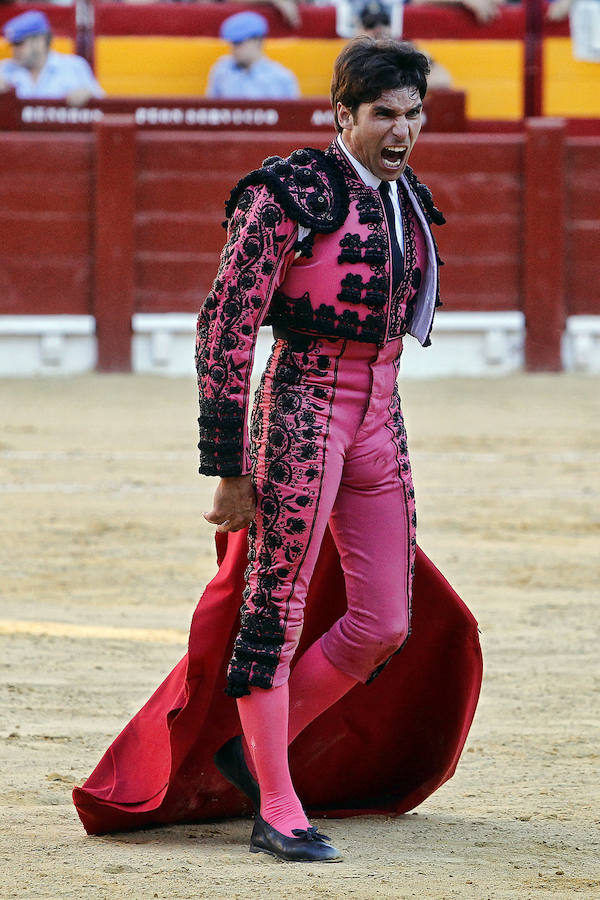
[
  {"x": 264, "y": 718},
  {"x": 315, "y": 685}
]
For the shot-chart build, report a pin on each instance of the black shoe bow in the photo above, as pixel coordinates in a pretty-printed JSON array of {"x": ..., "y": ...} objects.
[
  {"x": 310, "y": 834},
  {"x": 307, "y": 845}
]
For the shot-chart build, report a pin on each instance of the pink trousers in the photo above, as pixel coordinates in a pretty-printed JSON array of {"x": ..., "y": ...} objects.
[{"x": 329, "y": 446}]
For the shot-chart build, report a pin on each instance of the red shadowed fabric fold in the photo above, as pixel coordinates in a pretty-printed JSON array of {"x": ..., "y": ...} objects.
[{"x": 383, "y": 748}]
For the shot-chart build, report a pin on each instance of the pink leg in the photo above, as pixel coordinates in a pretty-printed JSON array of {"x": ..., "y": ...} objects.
[
  {"x": 264, "y": 718},
  {"x": 315, "y": 685}
]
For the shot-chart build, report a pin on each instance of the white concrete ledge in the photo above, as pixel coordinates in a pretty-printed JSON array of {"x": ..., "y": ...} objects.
[
  {"x": 47, "y": 345},
  {"x": 163, "y": 343},
  {"x": 473, "y": 344},
  {"x": 464, "y": 344},
  {"x": 581, "y": 345}
]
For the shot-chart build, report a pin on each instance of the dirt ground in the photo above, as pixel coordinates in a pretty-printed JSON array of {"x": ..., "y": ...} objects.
[{"x": 104, "y": 553}]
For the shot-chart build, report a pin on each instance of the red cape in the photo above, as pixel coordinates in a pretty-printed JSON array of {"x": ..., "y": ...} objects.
[{"x": 383, "y": 748}]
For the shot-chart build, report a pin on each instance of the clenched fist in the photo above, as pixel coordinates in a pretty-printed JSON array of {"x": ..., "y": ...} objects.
[{"x": 234, "y": 504}]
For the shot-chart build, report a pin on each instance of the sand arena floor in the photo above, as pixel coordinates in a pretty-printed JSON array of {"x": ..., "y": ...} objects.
[{"x": 104, "y": 552}]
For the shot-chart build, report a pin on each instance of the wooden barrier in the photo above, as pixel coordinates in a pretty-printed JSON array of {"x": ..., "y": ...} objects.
[
  {"x": 123, "y": 220},
  {"x": 46, "y": 222},
  {"x": 544, "y": 243},
  {"x": 114, "y": 262},
  {"x": 444, "y": 111}
]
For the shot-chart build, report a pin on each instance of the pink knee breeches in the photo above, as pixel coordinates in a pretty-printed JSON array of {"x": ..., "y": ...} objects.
[{"x": 329, "y": 446}]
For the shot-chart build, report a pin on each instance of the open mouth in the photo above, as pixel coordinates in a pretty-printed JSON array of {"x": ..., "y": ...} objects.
[{"x": 393, "y": 157}]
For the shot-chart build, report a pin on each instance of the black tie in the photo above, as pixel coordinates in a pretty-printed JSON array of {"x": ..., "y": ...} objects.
[{"x": 397, "y": 261}]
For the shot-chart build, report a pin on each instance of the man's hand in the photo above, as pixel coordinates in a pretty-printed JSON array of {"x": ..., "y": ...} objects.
[
  {"x": 558, "y": 10},
  {"x": 234, "y": 504},
  {"x": 483, "y": 10},
  {"x": 79, "y": 97},
  {"x": 289, "y": 10}
]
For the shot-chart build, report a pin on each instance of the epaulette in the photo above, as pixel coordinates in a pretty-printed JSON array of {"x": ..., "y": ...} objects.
[
  {"x": 308, "y": 185},
  {"x": 425, "y": 198}
]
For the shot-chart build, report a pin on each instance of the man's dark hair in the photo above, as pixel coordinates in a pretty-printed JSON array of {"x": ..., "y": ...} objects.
[
  {"x": 366, "y": 68},
  {"x": 373, "y": 14}
]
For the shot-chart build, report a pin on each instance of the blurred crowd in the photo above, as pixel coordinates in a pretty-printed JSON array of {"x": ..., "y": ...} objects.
[
  {"x": 348, "y": 10},
  {"x": 35, "y": 70}
]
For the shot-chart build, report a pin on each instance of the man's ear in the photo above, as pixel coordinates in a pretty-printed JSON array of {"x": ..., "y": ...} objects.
[{"x": 344, "y": 116}]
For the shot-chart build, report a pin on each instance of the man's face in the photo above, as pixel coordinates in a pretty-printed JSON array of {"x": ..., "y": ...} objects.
[
  {"x": 381, "y": 134},
  {"x": 32, "y": 52},
  {"x": 247, "y": 52}
]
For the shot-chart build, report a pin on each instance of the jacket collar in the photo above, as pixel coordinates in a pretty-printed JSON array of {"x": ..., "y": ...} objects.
[{"x": 334, "y": 150}]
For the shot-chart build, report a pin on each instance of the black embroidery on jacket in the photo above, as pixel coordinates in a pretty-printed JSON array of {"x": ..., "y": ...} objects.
[
  {"x": 373, "y": 251},
  {"x": 298, "y": 313},
  {"x": 294, "y": 437},
  {"x": 308, "y": 184},
  {"x": 313, "y": 189},
  {"x": 225, "y": 323},
  {"x": 425, "y": 198}
]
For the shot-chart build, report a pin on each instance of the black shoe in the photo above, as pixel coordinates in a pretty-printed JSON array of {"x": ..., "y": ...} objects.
[
  {"x": 307, "y": 846},
  {"x": 230, "y": 762}
]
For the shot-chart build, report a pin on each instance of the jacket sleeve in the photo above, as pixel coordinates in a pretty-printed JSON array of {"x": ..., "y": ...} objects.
[{"x": 259, "y": 249}]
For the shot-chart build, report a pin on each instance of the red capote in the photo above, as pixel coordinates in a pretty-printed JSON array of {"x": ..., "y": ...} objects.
[{"x": 383, "y": 748}]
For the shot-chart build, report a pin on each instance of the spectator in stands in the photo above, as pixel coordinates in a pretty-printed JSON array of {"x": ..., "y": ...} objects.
[
  {"x": 288, "y": 9},
  {"x": 483, "y": 10},
  {"x": 348, "y": 12},
  {"x": 374, "y": 21},
  {"x": 584, "y": 18},
  {"x": 247, "y": 74},
  {"x": 37, "y": 72}
]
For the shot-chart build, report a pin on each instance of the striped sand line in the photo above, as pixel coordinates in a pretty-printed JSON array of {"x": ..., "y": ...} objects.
[{"x": 104, "y": 632}]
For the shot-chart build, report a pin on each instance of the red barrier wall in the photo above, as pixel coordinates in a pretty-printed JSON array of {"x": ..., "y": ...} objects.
[
  {"x": 126, "y": 220},
  {"x": 46, "y": 224},
  {"x": 477, "y": 182},
  {"x": 468, "y": 176},
  {"x": 582, "y": 238}
]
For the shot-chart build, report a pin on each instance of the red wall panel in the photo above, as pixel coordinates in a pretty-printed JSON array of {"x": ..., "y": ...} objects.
[
  {"x": 182, "y": 184},
  {"x": 476, "y": 181},
  {"x": 583, "y": 226},
  {"x": 46, "y": 224},
  {"x": 50, "y": 237}
]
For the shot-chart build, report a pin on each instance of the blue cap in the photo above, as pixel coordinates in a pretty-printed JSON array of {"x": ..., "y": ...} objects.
[
  {"x": 26, "y": 25},
  {"x": 243, "y": 26}
]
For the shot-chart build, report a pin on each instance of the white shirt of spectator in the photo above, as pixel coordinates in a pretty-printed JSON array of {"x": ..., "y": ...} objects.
[
  {"x": 61, "y": 74},
  {"x": 585, "y": 30}
]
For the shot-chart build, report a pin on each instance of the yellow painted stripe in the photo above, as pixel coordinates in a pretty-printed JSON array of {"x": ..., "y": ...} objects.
[
  {"x": 489, "y": 71},
  {"x": 105, "y": 632},
  {"x": 175, "y": 66},
  {"x": 571, "y": 87}
]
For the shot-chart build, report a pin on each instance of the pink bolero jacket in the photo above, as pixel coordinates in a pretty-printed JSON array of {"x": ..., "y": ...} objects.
[{"x": 334, "y": 282}]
